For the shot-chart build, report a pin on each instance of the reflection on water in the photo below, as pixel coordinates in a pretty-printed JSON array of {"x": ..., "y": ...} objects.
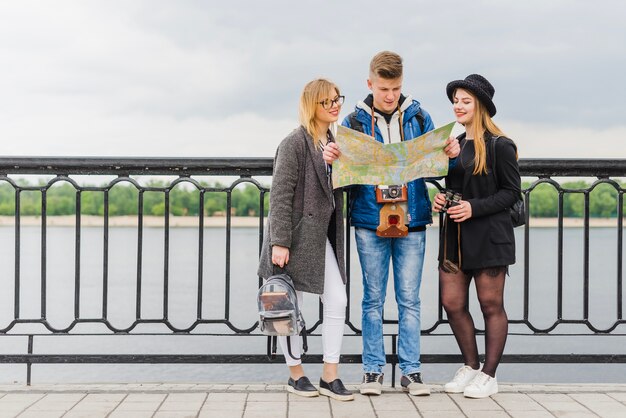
[{"x": 181, "y": 303}]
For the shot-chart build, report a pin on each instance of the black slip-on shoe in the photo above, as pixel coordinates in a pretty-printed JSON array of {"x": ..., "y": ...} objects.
[
  {"x": 302, "y": 387},
  {"x": 335, "y": 390}
]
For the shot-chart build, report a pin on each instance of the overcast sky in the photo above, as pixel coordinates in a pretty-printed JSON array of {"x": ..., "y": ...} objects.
[{"x": 214, "y": 78}]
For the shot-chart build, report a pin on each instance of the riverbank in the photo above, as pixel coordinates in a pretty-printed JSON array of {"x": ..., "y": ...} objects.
[{"x": 242, "y": 221}]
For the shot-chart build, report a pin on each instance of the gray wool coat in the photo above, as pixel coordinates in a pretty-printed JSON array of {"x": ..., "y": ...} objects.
[{"x": 301, "y": 205}]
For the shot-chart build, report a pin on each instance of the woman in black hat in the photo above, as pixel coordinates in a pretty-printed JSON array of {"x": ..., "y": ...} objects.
[{"x": 477, "y": 239}]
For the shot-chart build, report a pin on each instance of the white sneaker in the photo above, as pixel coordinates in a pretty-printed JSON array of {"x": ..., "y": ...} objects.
[
  {"x": 482, "y": 386},
  {"x": 461, "y": 379}
]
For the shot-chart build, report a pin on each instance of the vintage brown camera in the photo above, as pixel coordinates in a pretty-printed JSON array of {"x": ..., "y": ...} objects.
[
  {"x": 452, "y": 199},
  {"x": 391, "y": 224},
  {"x": 391, "y": 193}
]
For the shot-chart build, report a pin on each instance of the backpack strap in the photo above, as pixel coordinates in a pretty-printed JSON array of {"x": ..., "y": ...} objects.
[
  {"x": 354, "y": 123},
  {"x": 421, "y": 120}
]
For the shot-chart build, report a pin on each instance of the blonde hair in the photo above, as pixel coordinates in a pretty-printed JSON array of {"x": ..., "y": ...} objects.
[
  {"x": 481, "y": 124},
  {"x": 314, "y": 92},
  {"x": 387, "y": 65}
]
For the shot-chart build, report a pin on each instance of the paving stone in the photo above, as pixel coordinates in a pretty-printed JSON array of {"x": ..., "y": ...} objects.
[
  {"x": 276, "y": 407},
  {"x": 95, "y": 406},
  {"x": 46, "y": 405},
  {"x": 530, "y": 414},
  {"x": 138, "y": 406},
  {"x": 131, "y": 414},
  {"x": 348, "y": 414},
  {"x": 517, "y": 402},
  {"x": 303, "y": 399},
  {"x": 222, "y": 414},
  {"x": 41, "y": 414},
  {"x": 443, "y": 414},
  {"x": 264, "y": 414},
  {"x": 255, "y": 388},
  {"x": 321, "y": 407},
  {"x": 564, "y": 407},
  {"x": 145, "y": 397},
  {"x": 620, "y": 396},
  {"x": 395, "y": 414},
  {"x": 21, "y": 398},
  {"x": 175, "y": 414},
  {"x": 86, "y": 414},
  {"x": 180, "y": 406},
  {"x": 601, "y": 404},
  {"x": 393, "y": 403},
  {"x": 104, "y": 397},
  {"x": 307, "y": 414},
  {"x": 268, "y": 397},
  {"x": 439, "y": 402},
  {"x": 223, "y": 406},
  {"x": 468, "y": 404},
  {"x": 226, "y": 397},
  {"x": 186, "y": 397},
  {"x": 487, "y": 414}
]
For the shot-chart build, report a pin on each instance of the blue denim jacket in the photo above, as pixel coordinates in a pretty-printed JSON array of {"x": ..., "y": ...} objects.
[{"x": 364, "y": 208}]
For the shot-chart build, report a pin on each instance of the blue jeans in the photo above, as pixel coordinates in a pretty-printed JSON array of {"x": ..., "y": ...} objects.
[{"x": 407, "y": 255}]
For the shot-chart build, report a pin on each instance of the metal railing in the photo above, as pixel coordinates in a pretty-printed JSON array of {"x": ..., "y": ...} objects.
[{"x": 191, "y": 172}]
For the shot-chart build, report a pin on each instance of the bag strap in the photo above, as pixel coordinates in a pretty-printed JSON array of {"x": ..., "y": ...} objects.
[{"x": 493, "y": 161}]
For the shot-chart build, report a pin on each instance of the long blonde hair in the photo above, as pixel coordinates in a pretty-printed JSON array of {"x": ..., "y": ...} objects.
[
  {"x": 314, "y": 92},
  {"x": 481, "y": 124}
]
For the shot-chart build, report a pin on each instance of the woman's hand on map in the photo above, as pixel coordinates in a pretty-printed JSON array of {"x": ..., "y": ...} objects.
[
  {"x": 453, "y": 149},
  {"x": 331, "y": 152}
]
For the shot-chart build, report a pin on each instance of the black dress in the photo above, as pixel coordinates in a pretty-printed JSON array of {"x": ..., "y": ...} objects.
[{"x": 486, "y": 240}]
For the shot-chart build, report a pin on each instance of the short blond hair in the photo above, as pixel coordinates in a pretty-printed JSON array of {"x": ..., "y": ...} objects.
[
  {"x": 387, "y": 65},
  {"x": 314, "y": 92}
]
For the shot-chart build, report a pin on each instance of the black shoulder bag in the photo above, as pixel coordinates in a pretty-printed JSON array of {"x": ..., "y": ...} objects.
[{"x": 517, "y": 211}]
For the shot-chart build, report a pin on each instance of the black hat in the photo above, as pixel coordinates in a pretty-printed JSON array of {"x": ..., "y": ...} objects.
[{"x": 478, "y": 85}]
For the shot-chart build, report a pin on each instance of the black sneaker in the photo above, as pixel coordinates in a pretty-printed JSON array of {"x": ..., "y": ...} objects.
[
  {"x": 372, "y": 384},
  {"x": 302, "y": 387},
  {"x": 413, "y": 384},
  {"x": 335, "y": 390}
]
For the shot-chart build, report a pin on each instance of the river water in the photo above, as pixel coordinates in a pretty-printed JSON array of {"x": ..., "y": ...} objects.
[{"x": 183, "y": 274}]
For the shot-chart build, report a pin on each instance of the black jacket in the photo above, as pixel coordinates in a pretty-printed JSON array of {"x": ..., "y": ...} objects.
[{"x": 487, "y": 238}]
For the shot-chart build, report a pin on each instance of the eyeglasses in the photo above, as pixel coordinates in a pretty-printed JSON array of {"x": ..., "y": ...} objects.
[{"x": 327, "y": 103}]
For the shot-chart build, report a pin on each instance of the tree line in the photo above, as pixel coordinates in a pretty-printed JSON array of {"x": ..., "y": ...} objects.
[{"x": 123, "y": 199}]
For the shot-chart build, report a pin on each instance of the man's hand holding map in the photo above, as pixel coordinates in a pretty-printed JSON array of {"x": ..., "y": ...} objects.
[{"x": 364, "y": 160}]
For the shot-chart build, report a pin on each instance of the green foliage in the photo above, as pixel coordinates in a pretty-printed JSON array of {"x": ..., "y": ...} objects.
[
  {"x": 123, "y": 199},
  {"x": 544, "y": 201},
  {"x": 184, "y": 200}
]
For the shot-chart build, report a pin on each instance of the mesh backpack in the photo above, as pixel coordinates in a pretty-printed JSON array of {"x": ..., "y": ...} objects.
[{"x": 279, "y": 313}]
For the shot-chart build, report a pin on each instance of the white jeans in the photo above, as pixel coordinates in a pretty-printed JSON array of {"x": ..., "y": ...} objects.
[{"x": 334, "y": 300}]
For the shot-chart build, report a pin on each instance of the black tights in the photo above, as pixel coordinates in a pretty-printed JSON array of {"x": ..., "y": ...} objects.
[{"x": 490, "y": 291}]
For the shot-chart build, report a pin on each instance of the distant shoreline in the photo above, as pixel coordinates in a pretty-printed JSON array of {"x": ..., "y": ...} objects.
[{"x": 241, "y": 221}]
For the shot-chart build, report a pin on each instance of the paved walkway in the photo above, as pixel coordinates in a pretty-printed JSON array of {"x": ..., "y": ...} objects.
[{"x": 270, "y": 401}]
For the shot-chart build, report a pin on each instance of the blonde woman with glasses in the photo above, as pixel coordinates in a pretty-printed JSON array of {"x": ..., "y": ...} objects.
[{"x": 304, "y": 233}]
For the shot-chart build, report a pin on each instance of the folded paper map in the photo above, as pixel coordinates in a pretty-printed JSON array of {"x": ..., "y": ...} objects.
[{"x": 364, "y": 160}]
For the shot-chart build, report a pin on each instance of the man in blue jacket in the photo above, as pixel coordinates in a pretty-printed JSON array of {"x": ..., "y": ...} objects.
[{"x": 394, "y": 117}]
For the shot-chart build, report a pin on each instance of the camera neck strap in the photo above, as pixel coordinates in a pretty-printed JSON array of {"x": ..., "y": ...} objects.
[
  {"x": 445, "y": 238},
  {"x": 399, "y": 124}
]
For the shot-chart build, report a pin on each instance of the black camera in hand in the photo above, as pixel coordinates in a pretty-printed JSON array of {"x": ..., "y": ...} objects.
[{"x": 452, "y": 199}]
